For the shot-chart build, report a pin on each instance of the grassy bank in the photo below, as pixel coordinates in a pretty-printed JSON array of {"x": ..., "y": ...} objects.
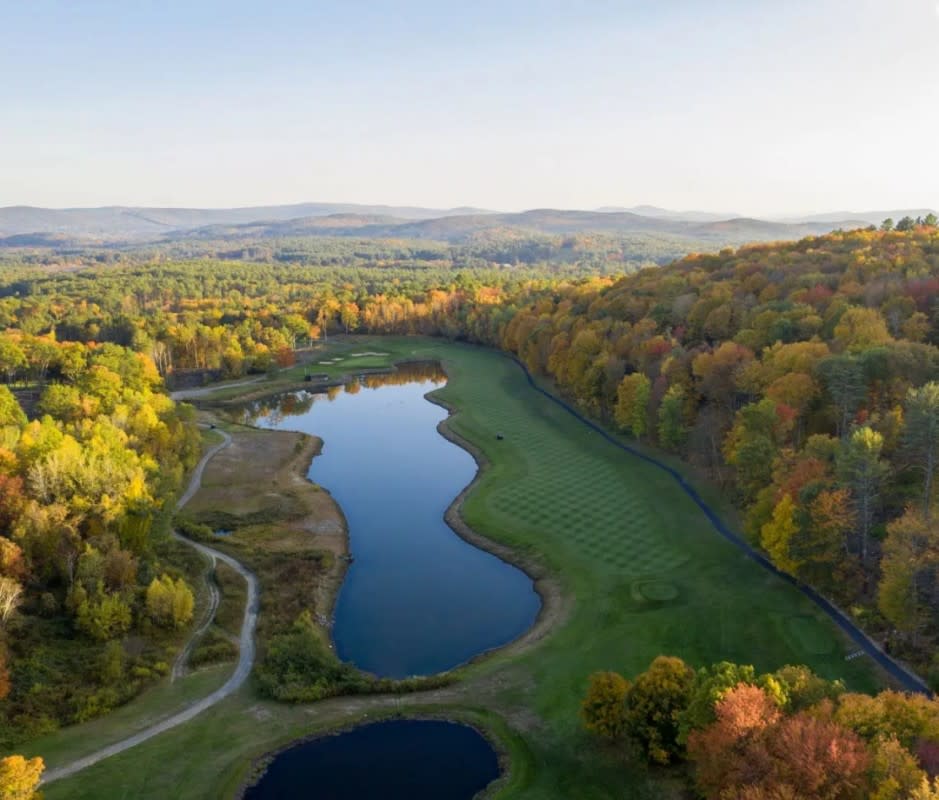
[{"x": 646, "y": 573}]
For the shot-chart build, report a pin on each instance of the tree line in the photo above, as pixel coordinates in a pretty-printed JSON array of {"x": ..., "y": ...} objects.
[
  {"x": 784, "y": 735},
  {"x": 87, "y": 481}
]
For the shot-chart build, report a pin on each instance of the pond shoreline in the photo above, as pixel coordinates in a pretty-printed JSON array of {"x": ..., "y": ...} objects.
[
  {"x": 261, "y": 764},
  {"x": 555, "y": 605}
]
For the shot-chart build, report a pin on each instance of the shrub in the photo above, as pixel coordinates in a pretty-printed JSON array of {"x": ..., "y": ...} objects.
[
  {"x": 299, "y": 668},
  {"x": 169, "y": 603},
  {"x": 103, "y": 616}
]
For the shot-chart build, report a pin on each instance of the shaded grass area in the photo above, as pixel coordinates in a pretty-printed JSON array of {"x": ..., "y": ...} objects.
[
  {"x": 646, "y": 571},
  {"x": 159, "y": 702},
  {"x": 58, "y": 672},
  {"x": 232, "y": 597},
  {"x": 213, "y": 648}
]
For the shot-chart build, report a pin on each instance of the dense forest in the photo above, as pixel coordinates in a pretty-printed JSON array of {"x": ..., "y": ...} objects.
[
  {"x": 801, "y": 377},
  {"x": 572, "y": 253},
  {"x": 87, "y": 481}
]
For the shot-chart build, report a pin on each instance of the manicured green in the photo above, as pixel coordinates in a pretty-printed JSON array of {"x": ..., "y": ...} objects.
[{"x": 646, "y": 571}]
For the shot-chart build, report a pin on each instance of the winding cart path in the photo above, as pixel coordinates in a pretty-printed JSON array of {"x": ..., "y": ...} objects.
[{"x": 246, "y": 644}]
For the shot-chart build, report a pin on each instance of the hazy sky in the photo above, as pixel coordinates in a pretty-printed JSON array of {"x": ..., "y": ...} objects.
[{"x": 730, "y": 105}]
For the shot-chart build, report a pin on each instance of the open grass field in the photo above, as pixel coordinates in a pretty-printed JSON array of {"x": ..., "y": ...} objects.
[{"x": 644, "y": 570}]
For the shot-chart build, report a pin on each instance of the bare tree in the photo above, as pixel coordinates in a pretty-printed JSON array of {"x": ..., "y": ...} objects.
[{"x": 10, "y": 593}]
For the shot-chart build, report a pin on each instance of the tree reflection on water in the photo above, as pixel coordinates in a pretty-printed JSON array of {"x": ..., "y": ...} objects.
[{"x": 290, "y": 404}]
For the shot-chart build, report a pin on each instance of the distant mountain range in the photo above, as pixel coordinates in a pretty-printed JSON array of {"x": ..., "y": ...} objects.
[
  {"x": 864, "y": 217},
  {"x": 665, "y": 213},
  {"x": 136, "y": 221},
  {"x": 458, "y": 228},
  {"x": 26, "y": 226}
]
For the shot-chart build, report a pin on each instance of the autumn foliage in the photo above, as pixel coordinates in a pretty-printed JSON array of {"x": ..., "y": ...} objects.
[
  {"x": 787, "y": 735},
  {"x": 19, "y": 777},
  {"x": 603, "y": 710},
  {"x": 752, "y": 745}
]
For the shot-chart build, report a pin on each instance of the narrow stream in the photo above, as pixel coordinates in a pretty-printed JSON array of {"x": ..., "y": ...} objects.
[{"x": 417, "y": 599}]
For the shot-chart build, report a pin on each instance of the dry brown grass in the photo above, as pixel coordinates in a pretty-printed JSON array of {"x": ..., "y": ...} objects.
[{"x": 286, "y": 529}]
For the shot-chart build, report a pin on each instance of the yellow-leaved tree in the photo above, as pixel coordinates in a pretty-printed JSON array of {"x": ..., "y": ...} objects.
[
  {"x": 603, "y": 709},
  {"x": 632, "y": 401},
  {"x": 19, "y": 777},
  {"x": 776, "y": 535},
  {"x": 169, "y": 602}
]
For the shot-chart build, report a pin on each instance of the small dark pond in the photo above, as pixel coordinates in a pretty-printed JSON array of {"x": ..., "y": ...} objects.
[
  {"x": 398, "y": 760},
  {"x": 417, "y": 599}
]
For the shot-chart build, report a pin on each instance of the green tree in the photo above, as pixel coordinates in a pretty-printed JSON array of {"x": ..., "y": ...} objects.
[
  {"x": 861, "y": 329},
  {"x": 921, "y": 434},
  {"x": 710, "y": 685},
  {"x": 672, "y": 428},
  {"x": 801, "y": 688},
  {"x": 12, "y": 358},
  {"x": 909, "y": 570},
  {"x": 298, "y": 667},
  {"x": 104, "y": 616},
  {"x": 751, "y": 446},
  {"x": 908, "y": 717},
  {"x": 112, "y": 662},
  {"x": 11, "y": 414},
  {"x": 861, "y": 468},
  {"x": 844, "y": 380}
]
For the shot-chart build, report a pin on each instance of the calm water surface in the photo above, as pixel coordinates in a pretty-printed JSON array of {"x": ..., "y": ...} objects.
[
  {"x": 417, "y": 599},
  {"x": 399, "y": 760}
]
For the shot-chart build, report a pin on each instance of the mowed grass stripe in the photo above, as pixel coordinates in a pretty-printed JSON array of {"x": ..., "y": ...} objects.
[
  {"x": 647, "y": 572},
  {"x": 602, "y": 520}
]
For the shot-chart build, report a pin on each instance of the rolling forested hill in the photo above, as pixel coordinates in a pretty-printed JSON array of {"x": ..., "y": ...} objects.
[{"x": 801, "y": 377}]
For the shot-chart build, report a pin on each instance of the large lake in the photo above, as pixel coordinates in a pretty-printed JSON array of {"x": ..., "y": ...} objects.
[
  {"x": 398, "y": 760},
  {"x": 417, "y": 599}
]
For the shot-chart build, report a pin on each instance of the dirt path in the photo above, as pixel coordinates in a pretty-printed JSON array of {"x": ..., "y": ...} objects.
[
  {"x": 179, "y": 665},
  {"x": 246, "y": 645}
]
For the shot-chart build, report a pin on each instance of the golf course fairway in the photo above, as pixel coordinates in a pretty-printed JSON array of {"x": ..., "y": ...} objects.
[{"x": 639, "y": 569}]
